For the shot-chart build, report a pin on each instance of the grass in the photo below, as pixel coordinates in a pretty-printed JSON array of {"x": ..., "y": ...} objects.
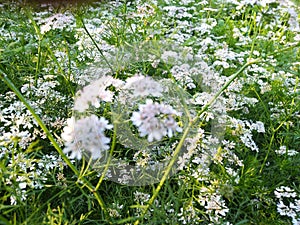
[{"x": 231, "y": 69}]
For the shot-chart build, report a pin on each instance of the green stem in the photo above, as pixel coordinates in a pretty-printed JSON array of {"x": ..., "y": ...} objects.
[
  {"x": 7, "y": 81},
  {"x": 276, "y": 52},
  {"x": 114, "y": 139},
  {"x": 274, "y": 130},
  {"x": 96, "y": 45},
  {"x": 167, "y": 171},
  {"x": 38, "y": 63},
  {"x": 190, "y": 124},
  {"x": 40, "y": 38},
  {"x": 225, "y": 86}
]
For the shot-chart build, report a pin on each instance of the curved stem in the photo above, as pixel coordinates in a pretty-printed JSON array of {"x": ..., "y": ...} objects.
[
  {"x": 167, "y": 171},
  {"x": 96, "y": 45},
  {"x": 225, "y": 86},
  {"x": 190, "y": 124},
  {"x": 114, "y": 139}
]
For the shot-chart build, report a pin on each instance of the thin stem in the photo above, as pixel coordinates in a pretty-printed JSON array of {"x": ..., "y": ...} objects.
[
  {"x": 96, "y": 45},
  {"x": 40, "y": 38},
  {"x": 35, "y": 26},
  {"x": 167, "y": 171},
  {"x": 7, "y": 81},
  {"x": 38, "y": 63},
  {"x": 276, "y": 52},
  {"x": 274, "y": 130},
  {"x": 225, "y": 86},
  {"x": 114, "y": 139},
  {"x": 190, "y": 124},
  {"x": 38, "y": 209}
]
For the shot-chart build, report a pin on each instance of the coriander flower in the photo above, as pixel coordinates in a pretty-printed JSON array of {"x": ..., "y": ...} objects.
[
  {"x": 86, "y": 134},
  {"x": 286, "y": 192},
  {"x": 284, "y": 151},
  {"x": 57, "y": 21},
  {"x": 143, "y": 86},
  {"x": 155, "y": 120},
  {"x": 95, "y": 92},
  {"x": 183, "y": 74}
]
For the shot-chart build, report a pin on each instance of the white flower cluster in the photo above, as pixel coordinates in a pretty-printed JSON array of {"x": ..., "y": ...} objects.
[
  {"x": 143, "y": 86},
  {"x": 114, "y": 212},
  {"x": 22, "y": 173},
  {"x": 57, "y": 21},
  {"x": 183, "y": 75},
  {"x": 284, "y": 151},
  {"x": 291, "y": 210},
  {"x": 141, "y": 197},
  {"x": 95, "y": 92},
  {"x": 244, "y": 129},
  {"x": 155, "y": 120},
  {"x": 86, "y": 134},
  {"x": 144, "y": 10},
  {"x": 17, "y": 121},
  {"x": 214, "y": 204},
  {"x": 188, "y": 215}
]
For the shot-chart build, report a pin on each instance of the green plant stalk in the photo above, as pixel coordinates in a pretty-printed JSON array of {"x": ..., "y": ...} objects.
[
  {"x": 123, "y": 221},
  {"x": 38, "y": 63},
  {"x": 274, "y": 130},
  {"x": 191, "y": 122},
  {"x": 7, "y": 81},
  {"x": 69, "y": 60},
  {"x": 257, "y": 30},
  {"x": 40, "y": 38},
  {"x": 278, "y": 51},
  {"x": 225, "y": 86},
  {"x": 114, "y": 139},
  {"x": 168, "y": 170},
  {"x": 96, "y": 45},
  {"x": 35, "y": 26}
]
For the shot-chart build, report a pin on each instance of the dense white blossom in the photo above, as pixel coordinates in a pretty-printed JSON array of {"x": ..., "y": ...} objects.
[
  {"x": 86, "y": 135},
  {"x": 289, "y": 204},
  {"x": 142, "y": 86},
  {"x": 56, "y": 21},
  {"x": 183, "y": 74},
  {"x": 156, "y": 120},
  {"x": 96, "y": 92}
]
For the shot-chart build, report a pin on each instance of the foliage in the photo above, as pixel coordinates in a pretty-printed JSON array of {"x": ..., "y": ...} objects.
[{"x": 223, "y": 75}]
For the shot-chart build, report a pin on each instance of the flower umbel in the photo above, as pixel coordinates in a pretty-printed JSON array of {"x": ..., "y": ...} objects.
[
  {"x": 96, "y": 92},
  {"x": 156, "y": 120},
  {"x": 143, "y": 86},
  {"x": 86, "y": 134}
]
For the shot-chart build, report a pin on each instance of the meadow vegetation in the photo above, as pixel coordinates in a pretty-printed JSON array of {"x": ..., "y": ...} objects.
[{"x": 205, "y": 92}]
